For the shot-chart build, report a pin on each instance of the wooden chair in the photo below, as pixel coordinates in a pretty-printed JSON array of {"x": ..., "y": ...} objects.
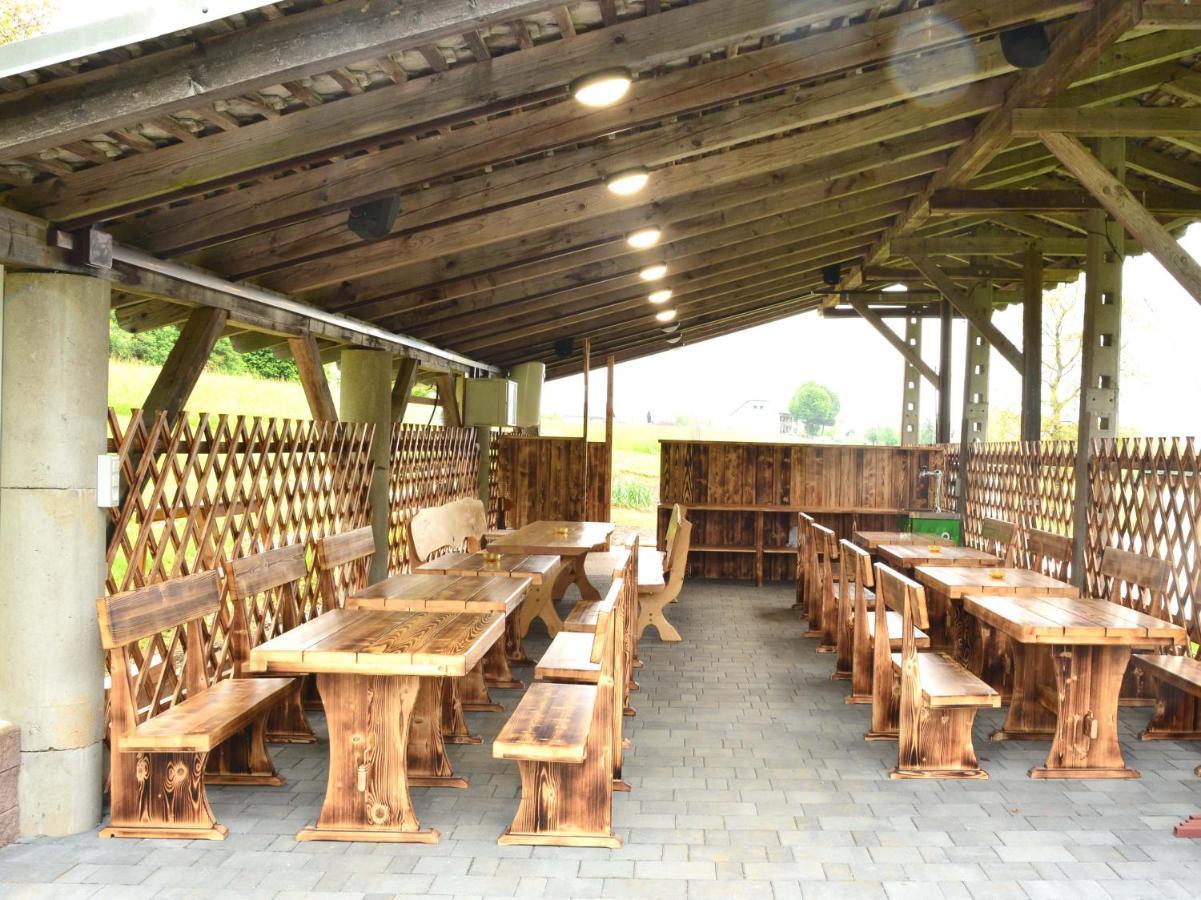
[
  {"x": 1048, "y": 553},
  {"x": 654, "y": 593},
  {"x": 803, "y": 521},
  {"x": 562, "y": 737},
  {"x": 1000, "y": 538},
  {"x": 166, "y": 722},
  {"x": 824, "y": 619},
  {"x": 263, "y": 586},
  {"x": 938, "y": 698}
]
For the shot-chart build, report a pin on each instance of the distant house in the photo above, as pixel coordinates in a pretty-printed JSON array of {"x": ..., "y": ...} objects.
[{"x": 753, "y": 416}]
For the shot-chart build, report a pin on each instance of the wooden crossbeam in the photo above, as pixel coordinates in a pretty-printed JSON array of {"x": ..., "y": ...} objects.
[
  {"x": 954, "y": 201},
  {"x": 402, "y": 388},
  {"x": 960, "y": 300},
  {"x": 1167, "y": 14},
  {"x": 179, "y": 374},
  {"x": 911, "y": 356},
  {"x": 972, "y": 245},
  {"x": 312, "y": 378},
  {"x": 1126, "y": 209},
  {"x": 448, "y": 400},
  {"x": 1109, "y": 122}
]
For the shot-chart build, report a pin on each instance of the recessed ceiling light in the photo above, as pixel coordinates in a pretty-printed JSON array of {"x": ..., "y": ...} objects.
[
  {"x": 602, "y": 88},
  {"x": 629, "y": 182},
  {"x": 661, "y": 296},
  {"x": 653, "y": 273},
  {"x": 672, "y": 328},
  {"x": 643, "y": 237},
  {"x": 676, "y": 339},
  {"x": 665, "y": 315}
]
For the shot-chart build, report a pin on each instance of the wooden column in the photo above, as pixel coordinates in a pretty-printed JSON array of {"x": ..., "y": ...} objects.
[
  {"x": 1032, "y": 343},
  {"x": 911, "y": 393},
  {"x": 1100, "y": 363},
  {"x": 402, "y": 388},
  {"x": 587, "y": 353},
  {"x": 185, "y": 362},
  {"x": 942, "y": 428},
  {"x": 312, "y": 378},
  {"x": 366, "y": 397},
  {"x": 974, "y": 422}
]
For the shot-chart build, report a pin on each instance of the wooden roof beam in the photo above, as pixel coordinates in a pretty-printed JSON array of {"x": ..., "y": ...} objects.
[
  {"x": 1108, "y": 122},
  {"x": 960, "y": 202}
]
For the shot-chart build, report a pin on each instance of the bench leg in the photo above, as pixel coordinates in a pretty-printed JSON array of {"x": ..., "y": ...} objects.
[
  {"x": 1177, "y": 715},
  {"x": 474, "y": 691},
  {"x": 428, "y": 764},
  {"x": 938, "y": 745},
  {"x": 161, "y": 795},
  {"x": 243, "y": 759},
  {"x": 496, "y": 667},
  {"x": 454, "y": 723},
  {"x": 861, "y": 670},
  {"x": 564, "y": 805},
  {"x": 651, "y": 614},
  {"x": 287, "y": 723},
  {"x": 885, "y": 701}
]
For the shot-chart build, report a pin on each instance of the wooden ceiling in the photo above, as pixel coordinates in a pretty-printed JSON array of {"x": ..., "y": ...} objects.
[{"x": 781, "y": 138}]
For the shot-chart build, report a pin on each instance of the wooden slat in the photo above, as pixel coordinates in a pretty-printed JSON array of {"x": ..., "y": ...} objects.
[
  {"x": 133, "y": 615},
  {"x": 260, "y": 572},
  {"x": 550, "y": 724},
  {"x": 338, "y": 549},
  {"x": 569, "y": 658}
]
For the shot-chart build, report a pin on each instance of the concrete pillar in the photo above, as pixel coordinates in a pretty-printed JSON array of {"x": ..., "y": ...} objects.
[
  {"x": 974, "y": 427},
  {"x": 911, "y": 394},
  {"x": 366, "y": 396},
  {"x": 54, "y": 396},
  {"x": 942, "y": 427}
]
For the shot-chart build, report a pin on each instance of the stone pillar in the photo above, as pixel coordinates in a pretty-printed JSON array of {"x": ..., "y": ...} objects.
[
  {"x": 54, "y": 396},
  {"x": 366, "y": 396}
]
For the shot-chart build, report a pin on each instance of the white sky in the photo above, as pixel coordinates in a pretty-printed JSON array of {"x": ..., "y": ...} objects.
[{"x": 1160, "y": 384}]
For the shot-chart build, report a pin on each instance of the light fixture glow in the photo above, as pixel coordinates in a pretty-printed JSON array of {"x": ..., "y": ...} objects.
[
  {"x": 653, "y": 273},
  {"x": 602, "y": 88},
  {"x": 661, "y": 296},
  {"x": 629, "y": 182},
  {"x": 672, "y": 328},
  {"x": 643, "y": 237},
  {"x": 676, "y": 339},
  {"x": 665, "y": 315}
]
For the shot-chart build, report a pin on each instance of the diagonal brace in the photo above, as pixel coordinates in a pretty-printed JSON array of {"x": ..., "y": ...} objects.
[{"x": 911, "y": 356}]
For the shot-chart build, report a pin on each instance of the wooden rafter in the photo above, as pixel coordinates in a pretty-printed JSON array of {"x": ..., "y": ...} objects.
[{"x": 185, "y": 362}]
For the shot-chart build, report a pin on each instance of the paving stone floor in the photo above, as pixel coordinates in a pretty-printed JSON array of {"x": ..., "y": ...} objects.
[{"x": 750, "y": 778}]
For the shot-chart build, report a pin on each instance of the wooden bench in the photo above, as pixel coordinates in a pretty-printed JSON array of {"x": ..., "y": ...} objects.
[
  {"x": 1048, "y": 553},
  {"x": 263, "y": 585},
  {"x": 938, "y": 698},
  {"x": 343, "y": 563},
  {"x": 654, "y": 593},
  {"x": 1000, "y": 538},
  {"x": 167, "y": 721},
  {"x": 562, "y": 736},
  {"x": 803, "y": 561},
  {"x": 823, "y": 616},
  {"x": 859, "y": 621}
]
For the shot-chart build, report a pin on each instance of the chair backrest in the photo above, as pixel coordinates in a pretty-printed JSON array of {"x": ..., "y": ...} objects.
[
  {"x": 904, "y": 595},
  {"x": 1048, "y": 553},
  {"x": 1131, "y": 575},
  {"x": 447, "y": 528},
  {"x": 163, "y": 621},
  {"x": 999, "y": 538},
  {"x": 343, "y": 561},
  {"x": 669, "y": 540},
  {"x": 679, "y": 555},
  {"x": 263, "y": 589}
]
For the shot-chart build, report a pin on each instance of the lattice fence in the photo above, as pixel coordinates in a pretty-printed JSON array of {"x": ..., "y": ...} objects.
[
  {"x": 213, "y": 488},
  {"x": 428, "y": 466}
]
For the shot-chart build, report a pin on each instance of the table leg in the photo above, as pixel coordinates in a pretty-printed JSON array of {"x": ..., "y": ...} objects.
[
  {"x": 514, "y": 647},
  {"x": 1029, "y": 718},
  {"x": 428, "y": 764},
  {"x": 454, "y": 723},
  {"x": 473, "y": 689},
  {"x": 587, "y": 591},
  {"x": 1088, "y": 680},
  {"x": 540, "y": 604},
  {"x": 496, "y": 666},
  {"x": 367, "y": 794}
]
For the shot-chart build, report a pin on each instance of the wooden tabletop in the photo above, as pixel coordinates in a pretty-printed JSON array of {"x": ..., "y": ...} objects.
[
  {"x": 546, "y": 538},
  {"x": 906, "y": 556},
  {"x": 510, "y": 565},
  {"x": 953, "y": 582},
  {"x": 1066, "y": 620},
  {"x": 380, "y": 642},
  {"x": 444, "y": 593},
  {"x": 871, "y": 540}
]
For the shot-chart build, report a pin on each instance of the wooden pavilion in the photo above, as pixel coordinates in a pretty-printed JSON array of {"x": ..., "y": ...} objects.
[{"x": 416, "y": 189}]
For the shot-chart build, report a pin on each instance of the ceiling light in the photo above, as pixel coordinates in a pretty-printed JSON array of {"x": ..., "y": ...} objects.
[
  {"x": 665, "y": 315},
  {"x": 653, "y": 273},
  {"x": 629, "y": 182},
  {"x": 643, "y": 237},
  {"x": 676, "y": 339},
  {"x": 602, "y": 88},
  {"x": 661, "y": 296},
  {"x": 672, "y": 328}
]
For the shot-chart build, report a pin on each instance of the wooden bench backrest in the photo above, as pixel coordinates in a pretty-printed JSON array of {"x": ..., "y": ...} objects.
[
  {"x": 342, "y": 564},
  {"x": 999, "y": 538},
  {"x": 854, "y": 581},
  {"x": 1131, "y": 575},
  {"x": 679, "y": 556},
  {"x": 669, "y": 539},
  {"x": 169, "y": 614},
  {"x": 263, "y": 589},
  {"x": 1049, "y": 553},
  {"x": 901, "y": 594},
  {"x": 447, "y": 528}
]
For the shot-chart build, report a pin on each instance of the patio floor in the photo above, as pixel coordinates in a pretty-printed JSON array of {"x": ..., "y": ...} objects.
[{"x": 750, "y": 779}]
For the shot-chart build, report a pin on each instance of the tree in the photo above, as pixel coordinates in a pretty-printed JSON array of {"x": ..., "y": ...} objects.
[
  {"x": 1062, "y": 346},
  {"x": 815, "y": 405},
  {"x": 882, "y": 434},
  {"x": 20, "y": 19}
]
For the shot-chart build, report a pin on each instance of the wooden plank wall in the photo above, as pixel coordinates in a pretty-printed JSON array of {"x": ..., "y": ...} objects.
[
  {"x": 543, "y": 478},
  {"x": 843, "y": 486}
]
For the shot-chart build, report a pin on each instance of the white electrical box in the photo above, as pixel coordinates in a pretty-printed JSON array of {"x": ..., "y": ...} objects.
[
  {"x": 108, "y": 481},
  {"x": 490, "y": 401}
]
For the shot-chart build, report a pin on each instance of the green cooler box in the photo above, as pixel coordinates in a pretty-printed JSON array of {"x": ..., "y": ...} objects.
[{"x": 943, "y": 524}]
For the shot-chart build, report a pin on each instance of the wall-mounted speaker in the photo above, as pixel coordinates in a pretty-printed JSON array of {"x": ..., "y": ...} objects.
[
  {"x": 374, "y": 219},
  {"x": 832, "y": 274},
  {"x": 564, "y": 347},
  {"x": 1026, "y": 47}
]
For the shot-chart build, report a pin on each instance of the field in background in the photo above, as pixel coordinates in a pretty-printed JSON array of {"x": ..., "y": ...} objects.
[{"x": 130, "y": 382}]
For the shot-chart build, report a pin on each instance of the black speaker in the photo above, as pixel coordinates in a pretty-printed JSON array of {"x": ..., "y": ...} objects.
[
  {"x": 832, "y": 274},
  {"x": 374, "y": 219},
  {"x": 564, "y": 347},
  {"x": 1026, "y": 47}
]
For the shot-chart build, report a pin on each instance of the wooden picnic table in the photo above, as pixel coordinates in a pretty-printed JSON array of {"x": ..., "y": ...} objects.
[
  {"x": 1083, "y": 646},
  {"x": 572, "y": 541},
  {"x": 380, "y": 676},
  {"x": 906, "y": 556},
  {"x": 871, "y": 540},
  {"x": 946, "y": 586}
]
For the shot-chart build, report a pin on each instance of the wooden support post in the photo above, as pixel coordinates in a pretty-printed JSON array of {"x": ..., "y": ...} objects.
[
  {"x": 942, "y": 427},
  {"x": 1100, "y": 363},
  {"x": 402, "y": 388},
  {"x": 587, "y": 354},
  {"x": 1094, "y": 174},
  {"x": 973, "y": 427},
  {"x": 185, "y": 362},
  {"x": 312, "y": 378},
  {"x": 448, "y": 400},
  {"x": 914, "y": 359},
  {"x": 1032, "y": 343},
  {"x": 484, "y": 442},
  {"x": 610, "y": 363},
  {"x": 911, "y": 393}
]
